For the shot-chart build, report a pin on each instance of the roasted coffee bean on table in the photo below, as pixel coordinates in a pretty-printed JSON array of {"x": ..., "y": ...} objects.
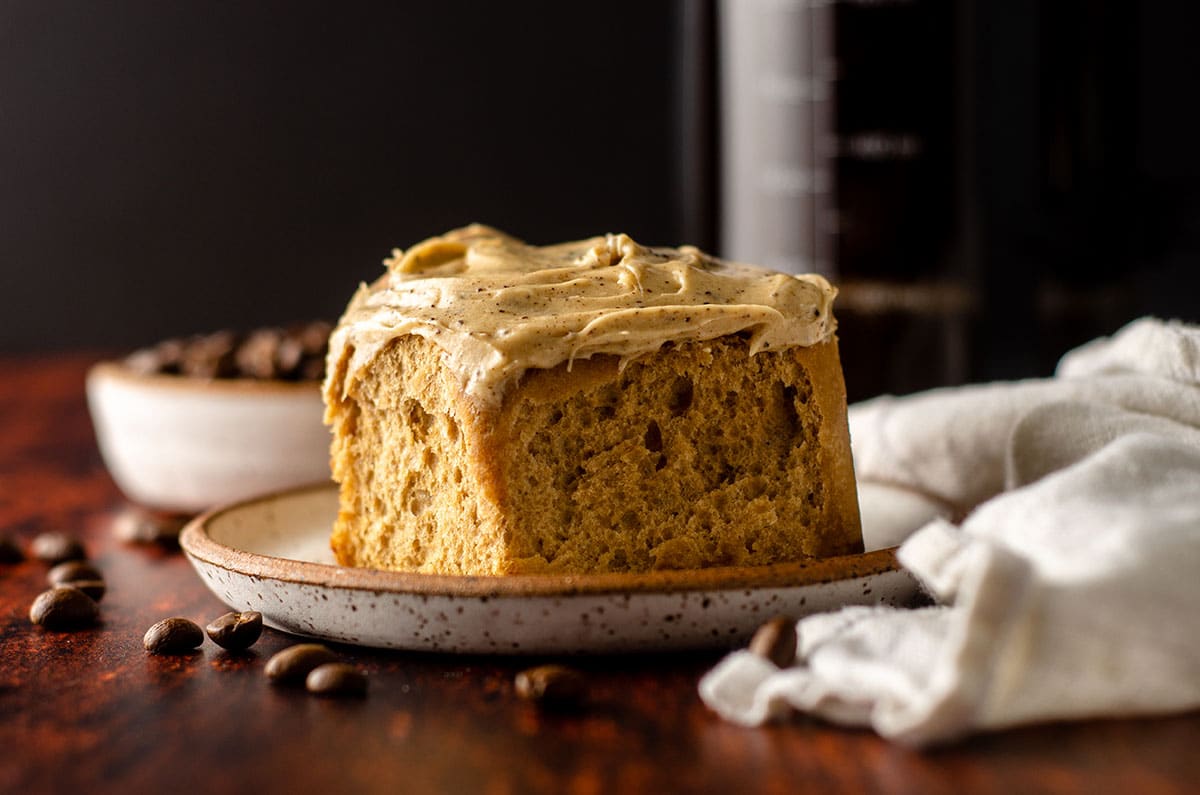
[
  {"x": 336, "y": 679},
  {"x": 293, "y": 664},
  {"x": 93, "y": 588},
  {"x": 10, "y": 550},
  {"x": 236, "y": 631},
  {"x": 71, "y": 571},
  {"x": 55, "y": 548},
  {"x": 80, "y": 574},
  {"x": 554, "y": 686},
  {"x": 141, "y": 526},
  {"x": 64, "y": 607},
  {"x": 173, "y": 636},
  {"x": 776, "y": 641}
]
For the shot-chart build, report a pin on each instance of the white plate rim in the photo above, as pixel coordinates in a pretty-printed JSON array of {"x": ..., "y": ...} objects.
[{"x": 546, "y": 614}]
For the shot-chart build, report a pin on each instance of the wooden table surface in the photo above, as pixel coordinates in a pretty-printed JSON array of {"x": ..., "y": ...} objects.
[{"x": 92, "y": 711}]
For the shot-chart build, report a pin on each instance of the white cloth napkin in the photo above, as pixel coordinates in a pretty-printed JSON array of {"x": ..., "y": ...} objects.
[{"x": 1072, "y": 587}]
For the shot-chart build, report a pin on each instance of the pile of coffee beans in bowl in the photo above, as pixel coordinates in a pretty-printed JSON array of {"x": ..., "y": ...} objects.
[{"x": 294, "y": 353}]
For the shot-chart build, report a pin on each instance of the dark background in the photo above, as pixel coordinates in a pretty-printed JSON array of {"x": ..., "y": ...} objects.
[
  {"x": 168, "y": 168},
  {"x": 182, "y": 166}
]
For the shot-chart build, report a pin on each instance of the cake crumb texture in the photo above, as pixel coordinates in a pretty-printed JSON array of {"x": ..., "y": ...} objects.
[{"x": 698, "y": 455}]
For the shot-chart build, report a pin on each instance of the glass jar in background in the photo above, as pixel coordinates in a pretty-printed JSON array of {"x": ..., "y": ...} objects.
[{"x": 837, "y": 130}]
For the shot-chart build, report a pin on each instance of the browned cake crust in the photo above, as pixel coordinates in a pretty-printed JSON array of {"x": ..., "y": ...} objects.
[{"x": 697, "y": 455}]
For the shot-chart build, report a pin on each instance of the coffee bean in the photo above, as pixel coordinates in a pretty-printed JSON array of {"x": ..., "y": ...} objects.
[
  {"x": 312, "y": 368},
  {"x": 288, "y": 358},
  {"x": 236, "y": 631},
  {"x": 313, "y": 337},
  {"x": 93, "y": 588},
  {"x": 554, "y": 686},
  {"x": 297, "y": 353},
  {"x": 10, "y": 550},
  {"x": 80, "y": 574},
  {"x": 144, "y": 362},
  {"x": 64, "y": 607},
  {"x": 164, "y": 358},
  {"x": 211, "y": 356},
  {"x": 336, "y": 679},
  {"x": 173, "y": 636},
  {"x": 71, "y": 571},
  {"x": 257, "y": 357},
  {"x": 170, "y": 355},
  {"x": 294, "y": 663},
  {"x": 271, "y": 353},
  {"x": 140, "y": 526},
  {"x": 776, "y": 641},
  {"x": 55, "y": 548}
]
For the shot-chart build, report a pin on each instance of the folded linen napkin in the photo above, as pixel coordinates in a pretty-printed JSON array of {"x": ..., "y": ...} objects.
[{"x": 1072, "y": 587}]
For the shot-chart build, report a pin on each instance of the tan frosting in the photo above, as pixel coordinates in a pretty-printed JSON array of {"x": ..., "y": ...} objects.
[{"x": 497, "y": 306}]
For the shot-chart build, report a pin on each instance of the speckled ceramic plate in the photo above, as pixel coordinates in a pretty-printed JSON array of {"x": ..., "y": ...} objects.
[{"x": 271, "y": 554}]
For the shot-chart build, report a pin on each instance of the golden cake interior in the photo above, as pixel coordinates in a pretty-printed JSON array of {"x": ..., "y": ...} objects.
[{"x": 697, "y": 455}]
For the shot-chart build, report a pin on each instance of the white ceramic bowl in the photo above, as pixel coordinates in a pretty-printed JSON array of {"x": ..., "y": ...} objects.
[{"x": 187, "y": 444}]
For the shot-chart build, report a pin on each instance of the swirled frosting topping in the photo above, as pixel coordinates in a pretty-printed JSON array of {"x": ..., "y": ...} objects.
[{"x": 497, "y": 306}]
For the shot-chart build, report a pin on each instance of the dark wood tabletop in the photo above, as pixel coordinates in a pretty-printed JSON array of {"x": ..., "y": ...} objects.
[{"x": 91, "y": 710}]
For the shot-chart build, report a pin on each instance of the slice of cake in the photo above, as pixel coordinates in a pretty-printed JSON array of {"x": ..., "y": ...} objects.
[{"x": 500, "y": 408}]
